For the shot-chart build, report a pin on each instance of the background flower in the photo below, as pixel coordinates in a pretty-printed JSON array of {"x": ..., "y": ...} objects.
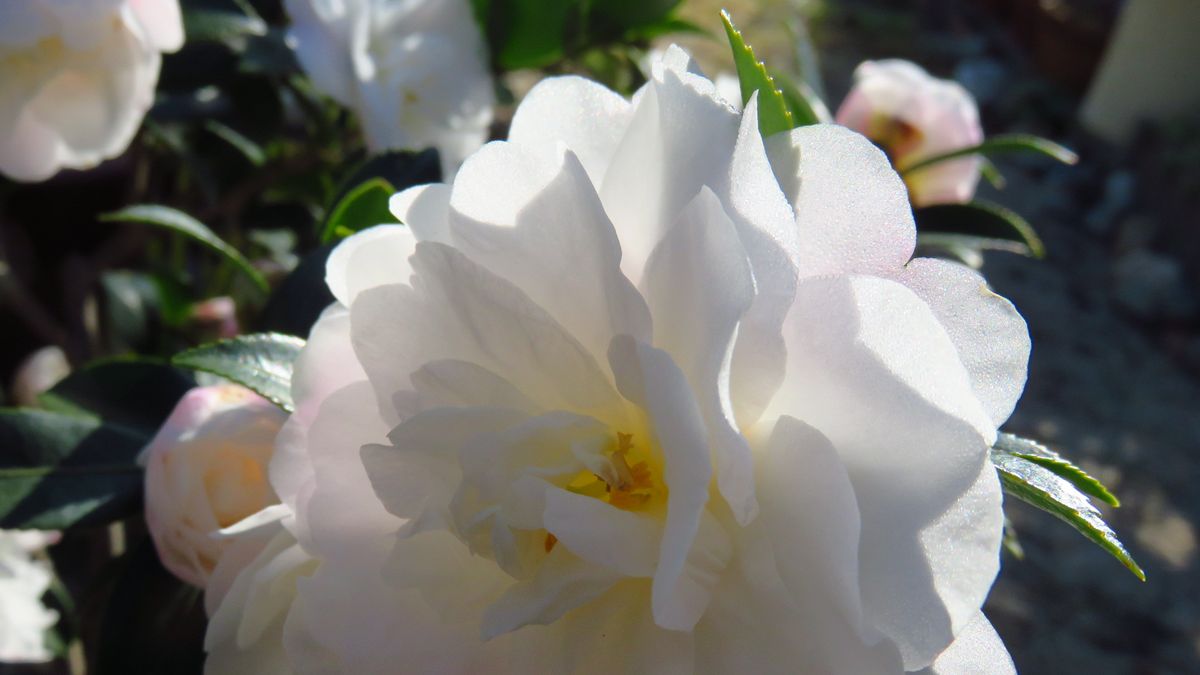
[
  {"x": 77, "y": 78},
  {"x": 24, "y": 620},
  {"x": 564, "y": 375},
  {"x": 414, "y": 72},
  {"x": 206, "y": 469},
  {"x": 912, "y": 116}
]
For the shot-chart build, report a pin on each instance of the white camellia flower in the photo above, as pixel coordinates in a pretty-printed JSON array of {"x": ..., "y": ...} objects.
[
  {"x": 206, "y": 469},
  {"x": 76, "y": 78},
  {"x": 643, "y": 392},
  {"x": 914, "y": 116},
  {"x": 414, "y": 71},
  {"x": 24, "y": 620}
]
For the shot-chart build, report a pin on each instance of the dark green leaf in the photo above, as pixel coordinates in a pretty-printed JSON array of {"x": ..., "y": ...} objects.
[
  {"x": 261, "y": 361},
  {"x": 178, "y": 221},
  {"x": 300, "y": 298},
  {"x": 59, "y": 471},
  {"x": 773, "y": 114},
  {"x": 137, "y": 395},
  {"x": 365, "y": 205},
  {"x": 1049, "y": 459},
  {"x": 248, "y": 148},
  {"x": 1043, "y": 488},
  {"x": 998, "y": 145},
  {"x": 981, "y": 220}
]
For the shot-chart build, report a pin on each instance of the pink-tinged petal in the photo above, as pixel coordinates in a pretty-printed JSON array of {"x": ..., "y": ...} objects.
[
  {"x": 990, "y": 336},
  {"x": 851, "y": 208},
  {"x": 585, "y": 117},
  {"x": 698, "y": 284}
]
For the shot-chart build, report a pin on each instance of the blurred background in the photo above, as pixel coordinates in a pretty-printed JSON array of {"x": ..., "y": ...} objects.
[{"x": 237, "y": 139}]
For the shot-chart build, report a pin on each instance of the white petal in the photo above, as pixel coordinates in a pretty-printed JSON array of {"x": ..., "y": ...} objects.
[
  {"x": 852, "y": 210},
  {"x": 562, "y": 583},
  {"x": 586, "y": 117},
  {"x": 459, "y": 310},
  {"x": 872, "y": 369},
  {"x": 415, "y": 477},
  {"x": 161, "y": 21},
  {"x": 698, "y": 284},
  {"x": 373, "y": 257},
  {"x": 679, "y": 139},
  {"x": 621, "y": 541},
  {"x": 320, "y": 34},
  {"x": 991, "y": 337},
  {"x": 461, "y": 383},
  {"x": 977, "y": 649},
  {"x": 425, "y": 209},
  {"x": 558, "y": 247},
  {"x": 342, "y": 507},
  {"x": 650, "y": 379}
]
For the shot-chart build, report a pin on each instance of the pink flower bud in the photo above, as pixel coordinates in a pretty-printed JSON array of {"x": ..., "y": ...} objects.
[
  {"x": 206, "y": 469},
  {"x": 913, "y": 116}
]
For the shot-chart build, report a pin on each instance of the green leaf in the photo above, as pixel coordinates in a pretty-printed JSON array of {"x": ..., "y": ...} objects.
[
  {"x": 134, "y": 394},
  {"x": 298, "y": 300},
  {"x": 248, "y": 148},
  {"x": 365, "y": 205},
  {"x": 998, "y": 145},
  {"x": 1049, "y": 459},
  {"x": 802, "y": 102},
  {"x": 59, "y": 471},
  {"x": 1043, "y": 488},
  {"x": 178, "y": 221},
  {"x": 983, "y": 221},
  {"x": 773, "y": 113},
  {"x": 261, "y": 361}
]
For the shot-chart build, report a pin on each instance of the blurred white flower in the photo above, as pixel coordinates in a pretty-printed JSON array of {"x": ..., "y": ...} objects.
[
  {"x": 40, "y": 371},
  {"x": 641, "y": 392},
  {"x": 914, "y": 116},
  {"x": 76, "y": 78},
  {"x": 24, "y": 578},
  {"x": 206, "y": 469},
  {"x": 414, "y": 71}
]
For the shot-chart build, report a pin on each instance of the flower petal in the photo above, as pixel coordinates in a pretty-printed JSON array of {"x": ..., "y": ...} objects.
[
  {"x": 586, "y": 117},
  {"x": 977, "y": 649},
  {"x": 459, "y": 310},
  {"x": 698, "y": 284},
  {"x": 913, "y": 444},
  {"x": 650, "y": 379},
  {"x": 562, "y": 583},
  {"x": 602, "y": 534},
  {"x": 991, "y": 337},
  {"x": 373, "y": 257},
  {"x": 852, "y": 210},
  {"x": 678, "y": 140},
  {"x": 425, "y": 209},
  {"x": 558, "y": 247}
]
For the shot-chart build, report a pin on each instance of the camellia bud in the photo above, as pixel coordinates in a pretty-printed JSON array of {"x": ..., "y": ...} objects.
[
  {"x": 206, "y": 469},
  {"x": 914, "y": 116}
]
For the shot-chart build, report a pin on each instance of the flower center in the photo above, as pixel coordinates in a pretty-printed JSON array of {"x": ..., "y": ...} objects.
[{"x": 634, "y": 482}]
